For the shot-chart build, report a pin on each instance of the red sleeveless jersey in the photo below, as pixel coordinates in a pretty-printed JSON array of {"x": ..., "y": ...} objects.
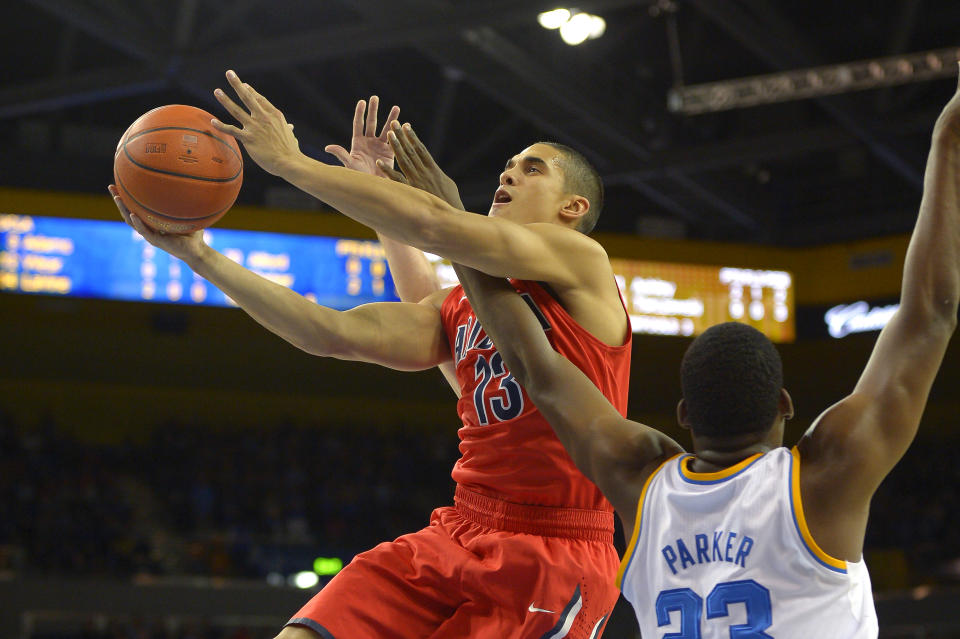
[{"x": 508, "y": 449}]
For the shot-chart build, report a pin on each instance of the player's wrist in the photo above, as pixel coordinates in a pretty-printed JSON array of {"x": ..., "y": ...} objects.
[
  {"x": 196, "y": 254},
  {"x": 292, "y": 164}
]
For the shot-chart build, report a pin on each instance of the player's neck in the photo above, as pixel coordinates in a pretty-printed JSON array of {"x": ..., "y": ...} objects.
[{"x": 712, "y": 454}]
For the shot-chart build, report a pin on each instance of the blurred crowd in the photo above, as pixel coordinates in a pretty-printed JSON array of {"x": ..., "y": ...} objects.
[
  {"x": 202, "y": 501},
  {"x": 255, "y": 502}
]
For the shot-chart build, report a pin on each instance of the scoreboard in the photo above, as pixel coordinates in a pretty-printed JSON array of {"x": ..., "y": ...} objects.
[
  {"x": 105, "y": 259},
  {"x": 686, "y": 299},
  {"x": 101, "y": 259}
]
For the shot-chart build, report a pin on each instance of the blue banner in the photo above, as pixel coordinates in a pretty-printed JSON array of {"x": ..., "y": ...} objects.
[{"x": 109, "y": 260}]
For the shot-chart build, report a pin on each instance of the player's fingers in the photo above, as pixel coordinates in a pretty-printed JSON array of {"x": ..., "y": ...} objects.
[
  {"x": 372, "y": 107},
  {"x": 130, "y": 218},
  {"x": 391, "y": 117},
  {"x": 409, "y": 147},
  {"x": 419, "y": 147},
  {"x": 115, "y": 194},
  {"x": 250, "y": 97},
  {"x": 338, "y": 152},
  {"x": 264, "y": 103},
  {"x": 391, "y": 172},
  {"x": 138, "y": 225},
  {"x": 243, "y": 91},
  {"x": 232, "y": 107},
  {"x": 240, "y": 134},
  {"x": 358, "y": 112},
  {"x": 403, "y": 158}
]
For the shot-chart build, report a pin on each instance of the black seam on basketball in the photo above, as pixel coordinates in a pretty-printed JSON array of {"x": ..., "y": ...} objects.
[
  {"x": 183, "y": 175},
  {"x": 185, "y": 128},
  {"x": 164, "y": 215}
]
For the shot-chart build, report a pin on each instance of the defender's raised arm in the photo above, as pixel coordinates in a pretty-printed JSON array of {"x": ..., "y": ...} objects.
[{"x": 864, "y": 435}]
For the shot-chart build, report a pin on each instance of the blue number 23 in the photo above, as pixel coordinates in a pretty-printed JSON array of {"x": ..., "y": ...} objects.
[{"x": 754, "y": 597}]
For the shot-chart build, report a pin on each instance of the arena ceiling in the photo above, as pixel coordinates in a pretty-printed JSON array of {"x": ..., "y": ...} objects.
[{"x": 480, "y": 79}]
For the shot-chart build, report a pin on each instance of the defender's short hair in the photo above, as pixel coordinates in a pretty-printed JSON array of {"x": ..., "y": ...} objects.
[
  {"x": 731, "y": 377},
  {"x": 581, "y": 178}
]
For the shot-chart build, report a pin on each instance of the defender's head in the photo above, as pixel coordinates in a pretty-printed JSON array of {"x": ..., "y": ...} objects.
[
  {"x": 732, "y": 382},
  {"x": 550, "y": 182}
]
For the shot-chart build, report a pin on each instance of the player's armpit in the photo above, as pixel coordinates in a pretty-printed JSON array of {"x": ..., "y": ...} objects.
[{"x": 398, "y": 335}]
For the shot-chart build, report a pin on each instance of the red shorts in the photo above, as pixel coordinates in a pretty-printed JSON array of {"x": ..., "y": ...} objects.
[{"x": 485, "y": 569}]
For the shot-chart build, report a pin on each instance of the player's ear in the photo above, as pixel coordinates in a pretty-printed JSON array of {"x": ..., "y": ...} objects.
[
  {"x": 682, "y": 417},
  {"x": 574, "y": 208},
  {"x": 785, "y": 404}
]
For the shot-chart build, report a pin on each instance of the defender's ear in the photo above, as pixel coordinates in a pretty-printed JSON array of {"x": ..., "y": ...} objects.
[
  {"x": 682, "y": 417},
  {"x": 785, "y": 404}
]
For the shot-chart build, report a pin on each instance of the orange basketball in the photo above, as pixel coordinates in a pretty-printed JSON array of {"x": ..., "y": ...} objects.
[{"x": 175, "y": 171}]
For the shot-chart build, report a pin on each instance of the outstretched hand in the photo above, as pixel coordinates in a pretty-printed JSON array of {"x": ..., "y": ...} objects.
[
  {"x": 367, "y": 149},
  {"x": 181, "y": 246},
  {"x": 263, "y": 131},
  {"x": 418, "y": 167}
]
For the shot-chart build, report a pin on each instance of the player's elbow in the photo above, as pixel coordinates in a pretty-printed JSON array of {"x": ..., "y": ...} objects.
[
  {"x": 543, "y": 383},
  {"x": 946, "y": 311},
  {"x": 936, "y": 314},
  {"x": 517, "y": 366}
]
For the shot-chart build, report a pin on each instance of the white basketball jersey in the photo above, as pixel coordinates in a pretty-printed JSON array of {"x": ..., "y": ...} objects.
[{"x": 728, "y": 554}]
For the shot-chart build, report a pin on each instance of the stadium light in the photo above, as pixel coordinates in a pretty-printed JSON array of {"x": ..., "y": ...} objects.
[
  {"x": 305, "y": 579},
  {"x": 553, "y": 19},
  {"x": 575, "y": 26}
]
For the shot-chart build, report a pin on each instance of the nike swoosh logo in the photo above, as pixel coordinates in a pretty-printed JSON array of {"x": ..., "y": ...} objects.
[{"x": 532, "y": 609}]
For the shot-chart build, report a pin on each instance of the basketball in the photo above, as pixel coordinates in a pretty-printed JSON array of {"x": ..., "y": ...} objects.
[{"x": 175, "y": 171}]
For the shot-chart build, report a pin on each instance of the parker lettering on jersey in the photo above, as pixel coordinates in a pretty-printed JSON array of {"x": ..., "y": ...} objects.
[{"x": 730, "y": 550}]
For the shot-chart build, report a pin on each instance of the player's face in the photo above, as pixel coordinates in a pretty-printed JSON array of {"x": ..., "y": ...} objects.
[{"x": 531, "y": 186}]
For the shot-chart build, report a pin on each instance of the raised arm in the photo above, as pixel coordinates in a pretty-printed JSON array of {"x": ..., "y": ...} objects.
[
  {"x": 615, "y": 453},
  {"x": 858, "y": 441},
  {"x": 544, "y": 252},
  {"x": 372, "y": 154},
  {"x": 394, "y": 334}
]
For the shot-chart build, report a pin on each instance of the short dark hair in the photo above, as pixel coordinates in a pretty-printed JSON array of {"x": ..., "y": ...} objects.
[
  {"x": 581, "y": 178},
  {"x": 731, "y": 377}
]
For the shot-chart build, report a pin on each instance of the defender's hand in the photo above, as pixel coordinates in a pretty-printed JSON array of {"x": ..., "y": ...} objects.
[
  {"x": 418, "y": 166},
  {"x": 184, "y": 247},
  {"x": 264, "y": 132},
  {"x": 367, "y": 149}
]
